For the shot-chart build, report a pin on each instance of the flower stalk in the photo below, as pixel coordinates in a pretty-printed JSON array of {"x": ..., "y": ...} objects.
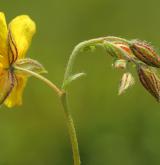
[
  {"x": 71, "y": 129},
  {"x": 68, "y": 75},
  {"x": 40, "y": 77}
]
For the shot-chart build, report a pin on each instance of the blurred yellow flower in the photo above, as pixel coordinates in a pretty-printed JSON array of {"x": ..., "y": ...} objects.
[{"x": 14, "y": 43}]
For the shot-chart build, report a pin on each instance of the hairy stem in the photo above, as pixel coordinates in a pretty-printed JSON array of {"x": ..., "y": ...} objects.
[{"x": 71, "y": 130}]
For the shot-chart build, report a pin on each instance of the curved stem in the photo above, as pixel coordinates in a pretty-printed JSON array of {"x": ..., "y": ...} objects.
[
  {"x": 81, "y": 46},
  {"x": 40, "y": 77},
  {"x": 75, "y": 52},
  {"x": 113, "y": 38},
  {"x": 71, "y": 130},
  {"x": 69, "y": 120}
]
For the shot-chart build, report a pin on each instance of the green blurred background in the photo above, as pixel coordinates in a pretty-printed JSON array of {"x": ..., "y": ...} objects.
[{"x": 112, "y": 130}]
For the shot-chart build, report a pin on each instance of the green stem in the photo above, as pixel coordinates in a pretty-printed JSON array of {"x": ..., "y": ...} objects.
[
  {"x": 40, "y": 77},
  {"x": 112, "y": 38},
  {"x": 69, "y": 120},
  {"x": 74, "y": 54},
  {"x": 68, "y": 73},
  {"x": 71, "y": 129}
]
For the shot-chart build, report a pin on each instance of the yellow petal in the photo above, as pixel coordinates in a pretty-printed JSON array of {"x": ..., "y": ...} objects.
[
  {"x": 22, "y": 30},
  {"x": 3, "y": 39},
  {"x": 6, "y": 84},
  {"x": 15, "y": 97}
]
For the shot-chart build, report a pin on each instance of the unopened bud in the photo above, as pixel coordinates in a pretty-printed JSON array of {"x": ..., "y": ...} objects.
[
  {"x": 125, "y": 48},
  {"x": 150, "y": 81},
  {"x": 126, "y": 82},
  {"x": 119, "y": 50},
  {"x": 145, "y": 53}
]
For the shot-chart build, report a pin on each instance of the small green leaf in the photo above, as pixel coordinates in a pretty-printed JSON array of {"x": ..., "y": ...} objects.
[
  {"x": 72, "y": 78},
  {"x": 30, "y": 64}
]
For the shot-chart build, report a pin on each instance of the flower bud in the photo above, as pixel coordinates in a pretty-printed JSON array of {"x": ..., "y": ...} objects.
[
  {"x": 119, "y": 50},
  {"x": 150, "y": 81},
  {"x": 144, "y": 52},
  {"x": 126, "y": 81},
  {"x": 125, "y": 48}
]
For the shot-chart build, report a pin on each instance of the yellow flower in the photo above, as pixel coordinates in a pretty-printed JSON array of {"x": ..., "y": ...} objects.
[{"x": 14, "y": 43}]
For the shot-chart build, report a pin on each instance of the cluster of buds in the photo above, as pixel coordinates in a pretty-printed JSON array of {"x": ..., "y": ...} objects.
[{"x": 143, "y": 56}]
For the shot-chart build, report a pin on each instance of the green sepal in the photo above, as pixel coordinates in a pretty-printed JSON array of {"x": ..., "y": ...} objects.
[
  {"x": 31, "y": 65},
  {"x": 110, "y": 49},
  {"x": 115, "y": 51},
  {"x": 72, "y": 78}
]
